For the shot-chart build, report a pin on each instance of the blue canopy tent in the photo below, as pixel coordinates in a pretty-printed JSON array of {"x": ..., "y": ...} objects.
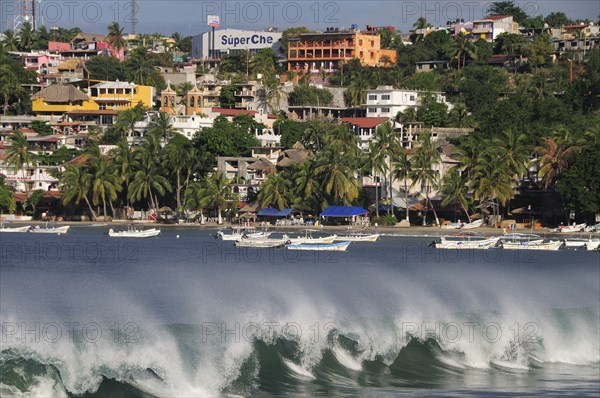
[
  {"x": 271, "y": 212},
  {"x": 348, "y": 213}
]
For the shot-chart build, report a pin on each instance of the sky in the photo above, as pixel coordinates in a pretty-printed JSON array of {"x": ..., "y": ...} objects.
[{"x": 189, "y": 16}]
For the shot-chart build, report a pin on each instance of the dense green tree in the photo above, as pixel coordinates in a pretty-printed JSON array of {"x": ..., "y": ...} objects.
[
  {"x": 580, "y": 184},
  {"x": 463, "y": 47},
  {"x": 7, "y": 198},
  {"x": 508, "y": 8},
  {"x": 225, "y": 139},
  {"x": 26, "y": 36},
  {"x": 11, "y": 41},
  {"x": 42, "y": 127},
  {"x": 557, "y": 19},
  {"x": 105, "y": 68},
  {"x": 18, "y": 155},
  {"x": 304, "y": 94},
  {"x": 227, "y": 97},
  {"x": 433, "y": 113}
]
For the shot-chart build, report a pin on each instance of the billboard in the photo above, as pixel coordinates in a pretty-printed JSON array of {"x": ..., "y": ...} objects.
[{"x": 214, "y": 21}]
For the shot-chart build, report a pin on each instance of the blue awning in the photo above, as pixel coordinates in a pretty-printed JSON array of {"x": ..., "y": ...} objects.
[
  {"x": 270, "y": 212},
  {"x": 343, "y": 211}
]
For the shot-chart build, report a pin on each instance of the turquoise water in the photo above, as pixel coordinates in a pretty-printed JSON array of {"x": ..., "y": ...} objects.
[{"x": 86, "y": 315}]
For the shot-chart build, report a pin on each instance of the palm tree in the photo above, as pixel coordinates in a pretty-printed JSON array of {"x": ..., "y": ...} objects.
[
  {"x": 454, "y": 189},
  {"x": 18, "y": 155},
  {"x": 183, "y": 89},
  {"x": 177, "y": 154},
  {"x": 26, "y": 36},
  {"x": 357, "y": 90},
  {"x": 140, "y": 67},
  {"x": 466, "y": 153},
  {"x": 492, "y": 180},
  {"x": 337, "y": 176},
  {"x": 386, "y": 139},
  {"x": 264, "y": 64},
  {"x": 115, "y": 36},
  {"x": 424, "y": 172},
  {"x": 75, "y": 184},
  {"x": 124, "y": 159},
  {"x": 463, "y": 46},
  {"x": 554, "y": 160},
  {"x": 460, "y": 117},
  {"x": 373, "y": 161},
  {"x": 306, "y": 185},
  {"x": 275, "y": 191},
  {"x": 9, "y": 84},
  {"x": 105, "y": 183},
  {"x": 217, "y": 192},
  {"x": 148, "y": 180},
  {"x": 162, "y": 126},
  {"x": 11, "y": 41},
  {"x": 128, "y": 118},
  {"x": 420, "y": 24},
  {"x": 408, "y": 116},
  {"x": 401, "y": 169},
  {"x": 515, "y": 151}
]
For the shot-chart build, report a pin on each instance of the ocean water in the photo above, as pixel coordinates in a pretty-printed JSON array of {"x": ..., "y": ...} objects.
[{"x": 85, "y": 315}]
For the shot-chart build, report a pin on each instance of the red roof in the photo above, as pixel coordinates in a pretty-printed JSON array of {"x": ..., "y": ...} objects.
[
  {"x": 365, "y": 122},
  {"x": 27, "y": 131},
  {"x": 92, "y": 112},
  {"x": 22, "y": 196},
  {"x": 497, "y": 17},
  {"x": 582, "y": 26},
  {"x": 235, "y": 112}
]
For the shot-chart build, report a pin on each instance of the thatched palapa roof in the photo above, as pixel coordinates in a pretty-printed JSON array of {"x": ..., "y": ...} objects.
[
  {"x": 297, "y": 154},
  {"x": 60, "y": 93}
]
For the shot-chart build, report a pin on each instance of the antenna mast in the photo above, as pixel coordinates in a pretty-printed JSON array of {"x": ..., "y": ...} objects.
[{"x": 134, "y": 20}]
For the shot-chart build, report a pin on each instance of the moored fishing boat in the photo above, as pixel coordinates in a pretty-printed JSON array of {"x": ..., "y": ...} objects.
[
  {"x": 262, "y": 243},
  {"x": 473, "y": 225},
  {"x": 358, "y": 238},
  {"x": 4, "y": 228},
  {"x": 573, "y": 228},
  {"x": 309, "y": 239},
  {"x": 240, "y": 233},
  {"x": 533, "y": 245},
  {"x": 330, "y": 247},
  {"x": 467, "y": 240},
  {"x": 52, "y": 229},
  {"x": 134, "y": 232},
  {"x": 521, "y": 238}
]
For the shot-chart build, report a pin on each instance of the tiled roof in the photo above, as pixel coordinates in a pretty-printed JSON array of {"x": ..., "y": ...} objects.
[{"x": 365, "y": 122}]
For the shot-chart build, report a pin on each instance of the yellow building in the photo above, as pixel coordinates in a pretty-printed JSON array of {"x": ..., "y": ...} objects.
[
  {"x": 59, "y": 99},
  {"x": 328, "y": 51}
]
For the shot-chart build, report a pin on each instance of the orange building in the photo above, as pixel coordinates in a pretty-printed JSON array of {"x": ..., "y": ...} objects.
[{"x": 328, "y": 51}]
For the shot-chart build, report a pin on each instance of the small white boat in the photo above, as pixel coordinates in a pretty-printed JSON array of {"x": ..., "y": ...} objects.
[
  {"x": 309, "y": 239},
  {"x": 133, "y": 232},
  {"x": 592, "y": 228},
  {"x": 456, "y": 225},
  {"x": 521, "y": 238},
  {"x": 358, "y": 238},
  {"x": 4, "y": 228},
  {"x": 242, "y": 233},
  {"x": 590, "y": 243},
  {"x": 50, "y": 230},
  {"x": 465, "y": 241},
  {"x": 573, "y": 228},
  {"x": 331, "y": 247},
  {"x": 473, "y": 225},
  {"x": 261, "y": 243},
  {"x": 535, "y": 245}
]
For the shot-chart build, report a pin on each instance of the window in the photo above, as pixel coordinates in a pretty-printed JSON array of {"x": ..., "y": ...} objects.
[
  {"x": 412, "y": 98},
  {"x": 385, "y": 97},
  {"x": 385, "y": 110},
  {"x": 192, "y": 102},
  {"x": 360, "y": 42},
  {"x": 372, "y": 97},
  {"x": 372, "y": 110}
]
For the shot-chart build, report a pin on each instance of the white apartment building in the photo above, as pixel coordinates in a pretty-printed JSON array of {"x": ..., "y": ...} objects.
[{"x": 386, "y": 101}]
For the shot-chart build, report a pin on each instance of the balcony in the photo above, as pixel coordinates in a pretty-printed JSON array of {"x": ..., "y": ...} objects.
[{"x": 245, "y": 93}]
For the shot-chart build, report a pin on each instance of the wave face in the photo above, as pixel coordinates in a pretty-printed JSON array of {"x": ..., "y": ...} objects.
[{"x": 84, "y": 316}]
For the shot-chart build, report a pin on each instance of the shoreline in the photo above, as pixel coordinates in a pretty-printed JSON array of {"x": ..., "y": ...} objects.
[{"x": 340, "y": 229}]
